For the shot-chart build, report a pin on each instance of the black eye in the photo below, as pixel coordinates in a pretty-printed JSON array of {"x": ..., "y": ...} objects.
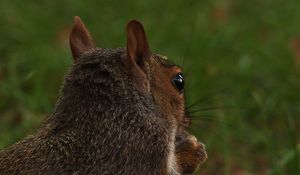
[{"x": 178, "y": 82}]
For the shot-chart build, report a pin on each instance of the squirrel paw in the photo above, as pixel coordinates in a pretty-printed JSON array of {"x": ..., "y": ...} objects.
[{"x": 190, "y": 153}]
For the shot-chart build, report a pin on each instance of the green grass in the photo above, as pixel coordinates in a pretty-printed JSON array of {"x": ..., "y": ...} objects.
[{"x": 239, "y": 57}]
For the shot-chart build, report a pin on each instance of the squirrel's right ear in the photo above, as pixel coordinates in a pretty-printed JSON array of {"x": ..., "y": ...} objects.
[
  {"x": 137, "y": 54},
  {"x": 80, "y": 39},
  {"x": 137, "y": 45}
]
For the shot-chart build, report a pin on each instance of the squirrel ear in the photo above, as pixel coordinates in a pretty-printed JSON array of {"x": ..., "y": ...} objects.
[
  {"x": 80, "y": 39},
  {"x": 137, "y": 44},
  {"x": 137, "y": 52}
]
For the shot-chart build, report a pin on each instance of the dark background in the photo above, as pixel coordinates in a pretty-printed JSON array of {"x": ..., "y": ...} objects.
[{"x": 241, "y": 62}]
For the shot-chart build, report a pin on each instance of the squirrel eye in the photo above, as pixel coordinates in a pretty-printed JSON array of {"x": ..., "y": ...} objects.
[{"x": 178, "y": 82}]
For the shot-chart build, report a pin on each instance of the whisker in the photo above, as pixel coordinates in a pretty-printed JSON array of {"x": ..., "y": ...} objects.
[
  {"x": 189, "y": 42},
  {"x": 199, "y": 126},
  {"x": 205, "y": 131},
  {"x": 211, "y": 118},
  {"x": 186, "y": 53},
  {"x": 199, "y": 135},
  {"x": 209, "y": 108},
  {"x": 204, "y": 116},
  {"x": 188, "y": 72},
  {"x": 214, "y": 120},
  {"x": 199, "y": 101},
  {"x": 210, "y": 96}
]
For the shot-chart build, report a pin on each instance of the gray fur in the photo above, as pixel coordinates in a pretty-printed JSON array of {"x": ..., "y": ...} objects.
[{"x": 101, "y": 124}]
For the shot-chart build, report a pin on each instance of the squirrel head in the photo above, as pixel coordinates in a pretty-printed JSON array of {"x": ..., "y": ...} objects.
[{"x": 134, "y": 70}]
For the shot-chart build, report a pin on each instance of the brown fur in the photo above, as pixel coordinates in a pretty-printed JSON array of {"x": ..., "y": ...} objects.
[{"x": 118, "y": 113}]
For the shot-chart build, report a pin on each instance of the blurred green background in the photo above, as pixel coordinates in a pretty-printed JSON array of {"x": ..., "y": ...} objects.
[{"x": 241, "y": 60}]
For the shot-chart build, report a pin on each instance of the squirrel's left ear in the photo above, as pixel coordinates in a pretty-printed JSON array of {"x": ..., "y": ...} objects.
[{"x": 80, "y": 39}]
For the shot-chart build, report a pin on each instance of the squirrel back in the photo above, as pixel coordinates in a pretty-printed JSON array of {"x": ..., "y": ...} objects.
[{"x": 119, "y": 112}]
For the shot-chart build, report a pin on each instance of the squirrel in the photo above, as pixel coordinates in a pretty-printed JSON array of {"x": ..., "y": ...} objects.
[{"x": 120, "y": 111}]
